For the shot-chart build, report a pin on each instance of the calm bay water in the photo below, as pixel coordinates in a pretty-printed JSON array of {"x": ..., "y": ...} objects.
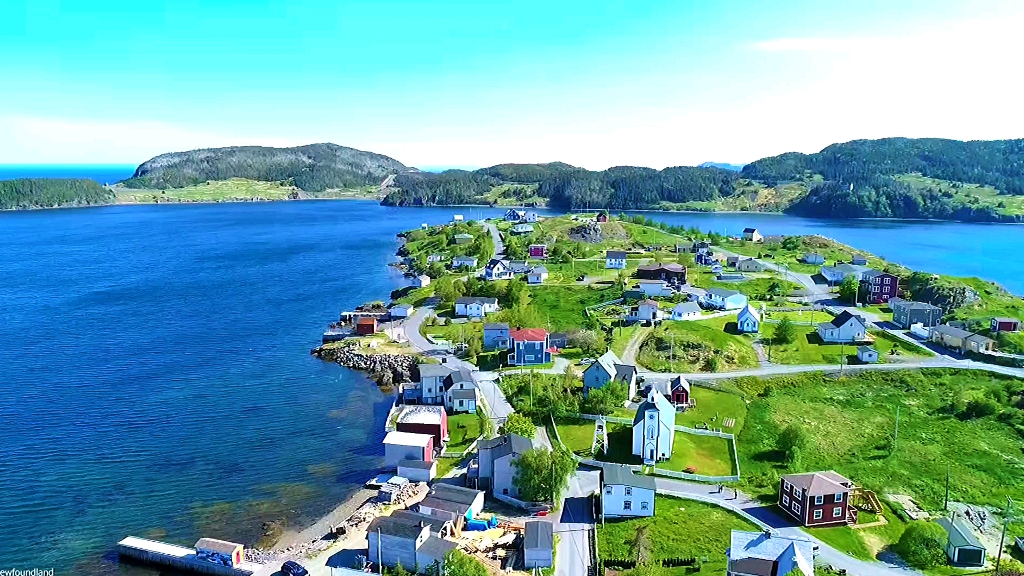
[{"x": 154, "y": 368}]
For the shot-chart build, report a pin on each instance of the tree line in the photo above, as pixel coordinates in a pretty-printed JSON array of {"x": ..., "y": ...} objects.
[{"x": 51, "y": 192}]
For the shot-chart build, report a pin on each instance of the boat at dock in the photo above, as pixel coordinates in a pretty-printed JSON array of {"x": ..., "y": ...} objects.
[{"x": 183, "y": 558}]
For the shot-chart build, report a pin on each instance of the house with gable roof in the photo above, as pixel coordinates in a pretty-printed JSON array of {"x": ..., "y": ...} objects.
[
  {"x": 606, "y": 368},
  {"x": 654, "y": 428},
  {"x": 818, "y": 498},
  {"x": 846, "y": 327},
  {"x": 769, "y": 553}
]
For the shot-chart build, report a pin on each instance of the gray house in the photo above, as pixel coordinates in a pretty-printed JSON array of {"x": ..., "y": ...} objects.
[
  {"x": 431, "y": 388},
  {"x": 538, "y": 544},
  {"x": 497, "y": 462},
  {"x": 608, "y": 367},
  {"x": 393, "y": 541},
  {"x": 496, "y": 336},
  {"x": 907, "y": 312}
]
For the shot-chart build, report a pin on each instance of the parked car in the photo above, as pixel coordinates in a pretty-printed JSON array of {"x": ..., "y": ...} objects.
[
  {"x": 586, "y": 361},
  {"x": 292, "y": 568}
]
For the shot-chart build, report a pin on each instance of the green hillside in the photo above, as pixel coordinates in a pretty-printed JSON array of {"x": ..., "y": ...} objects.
[{"x": 26, "y": 193}]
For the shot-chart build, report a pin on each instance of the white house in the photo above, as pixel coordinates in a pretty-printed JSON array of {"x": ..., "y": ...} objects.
[
  {"x": 475, "y": 306},
  {"x": 724, "y": 299},
  {"x": 836, "y": 274},
  {"x": 846, "y": 327},
  {"x": 460, "y": 393},
  {"x": 434, "y": 258},
  {"x": 464, "y": 262},
  {"x": 654, "y": 288},
  {"x": 748, "y": 321},
  {"x": 654, "y": 428},
  {"x": 498, "y": 270},
  {"x": 624, "y": 494},
  {"x": 646, "y": 310},
  {"x": 606, "y": 368},
  {"x": 686, "y": 311},
  {"x": 529, "y": 216},
  {"x": 497, "y": 459},
  {"x": 766, "y": 553},
  {"x": 537, "y": 275},
  {"x": 522, "y": 229},
  {"x": 752, "y": 235},
  {"x": 814, "y": 259},
  {"x": 432, "y": 383},
  {"x": 400, "y": 310},
  {"x": 421, "y": 281},
  {"x": 615, "y": 259}
]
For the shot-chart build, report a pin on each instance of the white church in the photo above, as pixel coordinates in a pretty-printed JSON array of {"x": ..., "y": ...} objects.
[{"x": 654, "y": 429}]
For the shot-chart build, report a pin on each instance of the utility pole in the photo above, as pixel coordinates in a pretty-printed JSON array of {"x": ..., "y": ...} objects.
[
  {"x": 842, "y": 357},
  {"x": 1002, "y": 539},
  {"x": 946, "y": 505},
  {"x": 380, "y": 565}
]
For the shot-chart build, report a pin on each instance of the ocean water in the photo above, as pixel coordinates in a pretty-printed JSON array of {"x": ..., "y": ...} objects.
[
  {"x": 155, "y": 376},
  {"x": 102, "y": 173}
]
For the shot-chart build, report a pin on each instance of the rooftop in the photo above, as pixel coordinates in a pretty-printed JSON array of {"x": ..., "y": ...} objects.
[
  {"x": 845, "y": 317},
  {"x": 757, "y": 552},
  {"x": 452, "y": 493},
  {"x": 436, "y": 547},
  {"x": 496, "y": 326},
  {"x": 722, "y": 292},
  {"x": 539, "y": 534},
  {"x": 433, "y": 370},
  {"x": 623, "y": 476},
  {"x": 408, "y": 439},
  {"x": 396, "y": 526},
  {"x": 507, "y": 444},
  {"x": 475, "y": 300},
  {"x": 529, "y": 334},
  {"x": 222, "y": 546},
  {"x": 421, "y": 415},
  {"x": 952, "y": 331},
  {"x": 960, "y": 534},
  {"x": 820, "y": 483},
  {"x": 615, "y": 255}
]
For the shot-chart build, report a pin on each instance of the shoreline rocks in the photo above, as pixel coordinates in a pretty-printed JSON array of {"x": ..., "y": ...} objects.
[{"x": 386, "y": 370}]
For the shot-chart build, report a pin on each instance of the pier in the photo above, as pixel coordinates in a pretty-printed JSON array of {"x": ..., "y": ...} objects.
[{"x": 179, "y": 557}]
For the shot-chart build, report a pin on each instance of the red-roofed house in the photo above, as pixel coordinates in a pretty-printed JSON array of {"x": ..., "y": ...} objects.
[
  {"x": 529, "y": 346},
  {"x": 366, "y": 325}
]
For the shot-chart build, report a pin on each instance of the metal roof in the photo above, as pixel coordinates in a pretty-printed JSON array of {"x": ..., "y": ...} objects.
[
  {"x": 408, "y": 439},
  {"x": 619, "y": 475},
  {"x": 960, "y": 534},
  {"x": 539, "y": 534},
  {"x": 214, "y": 545},
  {"x": 615, "y": 255},
  {"x": 434, "y": 370},
  {"x": 820, "y": 483}
]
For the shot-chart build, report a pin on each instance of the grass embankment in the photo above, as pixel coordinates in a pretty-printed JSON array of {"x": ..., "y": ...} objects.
[
  {"x": 698, "y": 346},
  {"x": 679, "y": 528},
  {"x": 234, "y": 190},
  {"x": 576, "y": 434},
  {"x": 563, "y": 307},
  {"x": 850, "y": 423},
  {"x": 974, "y": 195},
  {"x": 766, "y": 287},
  {"x": 791, "y": 253}
]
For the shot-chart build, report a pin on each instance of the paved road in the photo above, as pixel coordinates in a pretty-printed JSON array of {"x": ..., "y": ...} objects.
[
  {"x": 499, "y": 247},
  {"x": 766, "y": 515},
  {"x": 776, "y": 369},
  {"x": 572, "y": 556},
  {"x": 805, "y": 280}
]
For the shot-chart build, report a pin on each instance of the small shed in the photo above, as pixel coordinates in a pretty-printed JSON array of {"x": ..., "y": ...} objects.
[
  {"x": 417, "y": 470},
  {"x": 401, "y": 310},
  {"x": 867, "y": 354},
  {"x": 1004, "y": 325},
  {"x": 421, "y": 281},
  {"x": 963, "y": 547},
  {"x": 538, "y": 544},
  {"x": 219, "y": 552},
  {"x": 399, "y": 446},
  {"x": 366, "y": 325}
]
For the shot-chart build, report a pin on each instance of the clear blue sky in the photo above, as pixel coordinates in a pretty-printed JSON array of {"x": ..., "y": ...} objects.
[{"x": 476, "y": 83}]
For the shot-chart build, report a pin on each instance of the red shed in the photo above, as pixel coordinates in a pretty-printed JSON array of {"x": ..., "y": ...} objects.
[
  {"x": 431, "y": 420},
  {"x": 602, "y": 217},
  {"x": 538, "y": 251},
  {"x": 680, "y": 391},
  {"x": 1004, "y": 325},
  {"x": 366, "y": 325}
]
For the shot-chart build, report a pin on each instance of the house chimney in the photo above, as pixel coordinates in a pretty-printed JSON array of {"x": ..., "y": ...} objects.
[{"x": 767, "y": 533}]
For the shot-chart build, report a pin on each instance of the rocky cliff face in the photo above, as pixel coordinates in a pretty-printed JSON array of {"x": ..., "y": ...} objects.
[
  {"x": 385, "y": 369},
  {"x": 942, "y": 293}
]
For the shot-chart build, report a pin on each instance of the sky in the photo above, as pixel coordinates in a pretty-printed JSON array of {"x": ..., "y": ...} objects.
[{"x": 470, "y": 84}]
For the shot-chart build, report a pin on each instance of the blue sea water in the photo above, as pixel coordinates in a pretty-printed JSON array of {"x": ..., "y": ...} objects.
[
  {"x": 102, "y": 173},
  {"x": 155, "y": 376}
]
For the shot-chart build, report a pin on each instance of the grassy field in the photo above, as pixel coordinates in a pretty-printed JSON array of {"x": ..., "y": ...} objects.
[
  {"x": 708, "y": 455},
  {"x": 974, "y": 194},
  {"x": 863, "y": 543},
  {"x": 621, "y": 337},
  {"x": 712, "y": 408},
  {"x": 807, "y": 348},
  {"x": 851, "y": 422},
  {"x": 756, "y": 288},
  {"x": 679, "y": 528},
  {"x": 234, "y": 190},
  {"x": 463, "y": 429},
  {"x": 563, "y": 306},
  {"x": 700, "y": 346},
  {"x": 576, "y": 434},
  {"x": 750, "y": 196},
  {"x": 514, "y": 195},
  {"x": 792, "y": 258}
]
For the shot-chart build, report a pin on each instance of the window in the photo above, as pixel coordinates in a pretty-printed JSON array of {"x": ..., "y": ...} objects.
[
  {"x": 796, "y": 507},
  {"x": 819, "y": 499},
  {"x": 627, "y": 505},
  {"x": 817, "y": 514},
  {"x": 839, "y": 497},
  {"x": 629, "y": 491},
  {"x": 887, "y": 280},
  {"x": 529, "y": 357},
  {"x": 504, "y": 491},
  {"x": 785, "y": 500},
  {"x": 798, "y": 493},
  {"x": 608, "y": 490},
  {"x": 460, "y": 406},
  {"x": 787, "y": 486},
  {"x": 837, "y": 512},
  {"x": 643, "y": 505}
]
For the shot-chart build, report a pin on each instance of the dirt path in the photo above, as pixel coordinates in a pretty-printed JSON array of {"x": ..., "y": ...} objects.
[{"x": 633, "y": 347}]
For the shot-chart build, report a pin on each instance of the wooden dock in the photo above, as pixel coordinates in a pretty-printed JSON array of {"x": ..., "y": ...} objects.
[{"x": 178, "y": 557}]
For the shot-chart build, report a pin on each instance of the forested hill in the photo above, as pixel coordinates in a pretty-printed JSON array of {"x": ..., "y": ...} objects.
[
  {"x": 904, "y": 178},
  {"x": 26, "y": 193},
  {"x": 314, "y": 167}
]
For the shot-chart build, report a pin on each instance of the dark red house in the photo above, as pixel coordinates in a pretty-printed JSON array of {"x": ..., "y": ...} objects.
[
  {"x": 420, "y": 419},
  {"x": 818, "y": 498},
  {"x": 538, "y": 251},
  {"x": 670, "y": 272},
  {"x": 879, "y": 287},
  {"x": 602, "y": 217},
  {"x": 680, "y": 391},
  {"x": 1004, "y": 325},
  {"x": 366, "y": 325}
]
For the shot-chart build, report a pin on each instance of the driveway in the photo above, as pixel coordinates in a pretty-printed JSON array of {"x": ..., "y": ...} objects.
[
  {"x": 499, "y": 247},
  {"x": 805, "y": 280},
  {"x": 767, "y": 516},
  {"x": 572, "y": 557}
]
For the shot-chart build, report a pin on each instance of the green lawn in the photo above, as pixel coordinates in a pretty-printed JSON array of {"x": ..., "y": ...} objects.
[
  {"x": 756, "y": 288},
  {"x": 576, "y": 434},
  {"x": 679, "y": 528},
  {"x": 563, "y": 306},
  {"x": 807, "y": 348},
  {"x": 621, "y": 337},
  {"x": 446, "y": 465},
  {"x": 850, "y": 423},
  {"x": 235, "y": 189},
  {"x": 712, "y": 408},
  {"x": 863, "y": 543},
  {"x": 698, "y": 346},
  {"x": 463, "y": 429},
  {"x": 709, "y": 455},
  {"x": 791, "y": 258}
]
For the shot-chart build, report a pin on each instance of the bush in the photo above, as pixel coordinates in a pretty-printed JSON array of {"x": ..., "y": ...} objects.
[
  {"x": 922, "y": 544},
  {"x": 785, "y": 332},
  {"x": 979, "y": 408}
]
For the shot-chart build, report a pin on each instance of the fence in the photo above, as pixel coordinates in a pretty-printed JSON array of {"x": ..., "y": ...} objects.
[
  {"x": 661, "y": 471},
  {"x": 464, "y": 453},
  {"x": 513, "y": 501},
  {"x": 601, "y": 305},
  {"x": 718, "y": 502}
]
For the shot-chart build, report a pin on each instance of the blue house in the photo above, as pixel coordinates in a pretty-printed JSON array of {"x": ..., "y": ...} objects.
[
  {"x": 748, "y": 321},
  {"x": 496, "y": 336},
  {"x": 529, "y": 346}
]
